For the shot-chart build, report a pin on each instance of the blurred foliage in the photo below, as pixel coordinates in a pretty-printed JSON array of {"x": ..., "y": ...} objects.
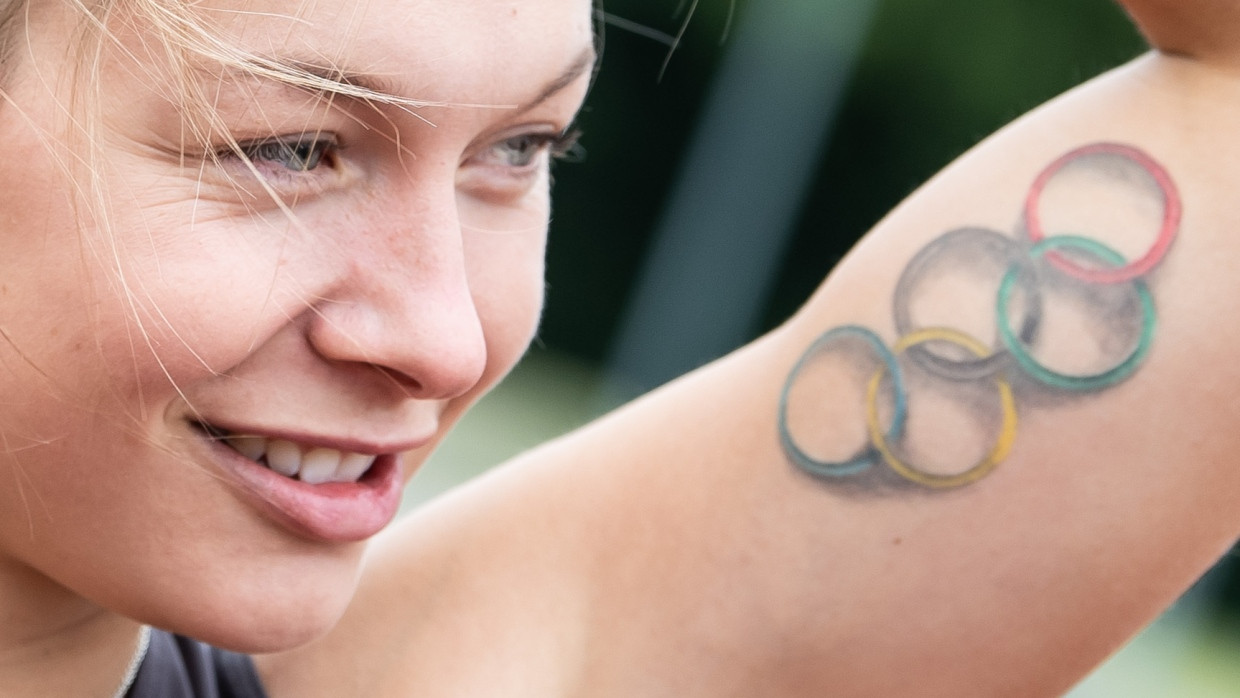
[
  {"x": 934, "y": 78},
  {"x": 636, "y": 120}
]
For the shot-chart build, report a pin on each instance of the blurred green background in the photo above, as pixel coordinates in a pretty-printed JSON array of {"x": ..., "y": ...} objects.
[{"x": 834, "y": 110}]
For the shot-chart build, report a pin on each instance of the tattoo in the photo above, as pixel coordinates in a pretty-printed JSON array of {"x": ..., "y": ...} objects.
[{"x": 1036, "y": 274}]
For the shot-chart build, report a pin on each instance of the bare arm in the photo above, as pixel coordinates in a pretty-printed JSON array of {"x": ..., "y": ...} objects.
[
  {"x": 1114, "y": 488},
  {"x": 758, "y": 528}
]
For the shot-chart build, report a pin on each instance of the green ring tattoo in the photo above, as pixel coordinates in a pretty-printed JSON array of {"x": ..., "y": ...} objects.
[{"x": 1056, "y": 379}]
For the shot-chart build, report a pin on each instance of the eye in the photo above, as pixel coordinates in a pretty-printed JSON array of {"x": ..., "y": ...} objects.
[
  {"x": 520, "y": 151},
  {"x": 301, "y": 153},
  {"x": 524, "y": 151},
  {"x": 289, "y": 168}
]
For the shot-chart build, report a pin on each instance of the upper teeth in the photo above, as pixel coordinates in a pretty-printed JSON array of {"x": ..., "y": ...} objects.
[{"x": 311, "y": 465}]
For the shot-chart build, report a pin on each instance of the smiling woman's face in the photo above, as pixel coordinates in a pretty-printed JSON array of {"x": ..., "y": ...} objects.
[{"x": 174, "y": 334}]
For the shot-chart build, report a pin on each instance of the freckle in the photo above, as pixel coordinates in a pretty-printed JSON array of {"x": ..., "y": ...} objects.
[
  {"x": 897, "y": 541},
  {"x": 514, "y": 12}
]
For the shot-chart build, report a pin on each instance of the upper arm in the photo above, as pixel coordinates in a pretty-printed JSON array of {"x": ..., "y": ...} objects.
[{"x": 1096, "y": 476}]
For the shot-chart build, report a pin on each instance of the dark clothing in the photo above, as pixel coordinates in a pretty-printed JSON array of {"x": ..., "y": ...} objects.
[{"x": 177, "y": 667}]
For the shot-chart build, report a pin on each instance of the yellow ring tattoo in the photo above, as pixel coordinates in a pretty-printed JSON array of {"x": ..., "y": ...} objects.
[{"x": 1007, "y": 432}]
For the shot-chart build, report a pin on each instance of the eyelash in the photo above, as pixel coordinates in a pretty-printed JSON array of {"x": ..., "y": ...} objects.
[
  {"x": 305, "y": 163},
  {"x": 300, "y": 154},
  {"x": 296, "y": 154},
  {"x": 527, "y": 146}
]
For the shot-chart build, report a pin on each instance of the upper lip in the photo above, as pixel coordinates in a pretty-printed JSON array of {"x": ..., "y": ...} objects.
[{"x": 376, "y": 446}]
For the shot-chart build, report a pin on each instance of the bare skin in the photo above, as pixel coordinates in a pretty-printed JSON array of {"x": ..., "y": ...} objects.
[
  {"x": 671, "y": 549},
  {"x": 1200, "y": 29}
]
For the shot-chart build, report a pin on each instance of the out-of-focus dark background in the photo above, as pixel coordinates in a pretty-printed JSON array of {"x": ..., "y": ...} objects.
[
  {"x": 928, "y": 79},
  {"x": 722, "y": 179}
]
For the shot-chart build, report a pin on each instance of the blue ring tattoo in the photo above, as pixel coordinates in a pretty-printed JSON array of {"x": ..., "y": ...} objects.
[{"x": 868, "y": 456}]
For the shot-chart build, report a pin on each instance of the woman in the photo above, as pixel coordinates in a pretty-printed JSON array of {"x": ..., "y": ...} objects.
[{"x": 259, "y": 258}]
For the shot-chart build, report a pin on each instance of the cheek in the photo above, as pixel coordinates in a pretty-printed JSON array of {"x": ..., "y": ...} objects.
[
  {"x": 505, "y": 272},
  {"x": 504, "y": 251},
  {"x": 196, "y": 300}
]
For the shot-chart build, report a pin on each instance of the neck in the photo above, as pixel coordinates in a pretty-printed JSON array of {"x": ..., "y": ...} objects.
[{"x": 53, "y": 642}]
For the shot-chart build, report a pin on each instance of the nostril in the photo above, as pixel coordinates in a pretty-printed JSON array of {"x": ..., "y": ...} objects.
[{"x": 404, "y": 381}]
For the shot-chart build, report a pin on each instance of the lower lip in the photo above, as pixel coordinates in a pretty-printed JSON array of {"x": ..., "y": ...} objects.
[{"x": 336, "y": 512}]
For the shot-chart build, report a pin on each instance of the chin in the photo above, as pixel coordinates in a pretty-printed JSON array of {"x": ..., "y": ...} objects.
[
  {"x": 259, "y": 610},
  {"x": 262, "y": 628}
]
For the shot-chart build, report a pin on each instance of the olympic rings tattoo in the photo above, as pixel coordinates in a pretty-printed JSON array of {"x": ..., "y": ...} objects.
[{"x": 1028, "y": 266}]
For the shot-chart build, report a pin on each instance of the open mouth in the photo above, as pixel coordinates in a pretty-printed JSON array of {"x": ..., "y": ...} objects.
[{"x": 312, "y": 465}]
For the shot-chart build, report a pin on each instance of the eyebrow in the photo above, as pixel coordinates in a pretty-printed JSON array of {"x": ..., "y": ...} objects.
[
  {"x": 378, "y": 86},
  {"x": 579, "y": 66}
]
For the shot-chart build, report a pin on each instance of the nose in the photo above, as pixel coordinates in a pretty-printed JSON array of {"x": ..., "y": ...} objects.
[{"x": 403, "y": 302}]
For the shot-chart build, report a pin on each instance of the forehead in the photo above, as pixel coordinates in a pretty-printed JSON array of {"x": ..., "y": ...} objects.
[{"x": 449, "y": 51}]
